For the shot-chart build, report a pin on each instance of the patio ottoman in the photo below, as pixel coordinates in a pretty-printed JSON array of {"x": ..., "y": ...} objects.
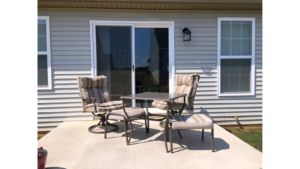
[
  {"x": 195, "y": 121},
  {"x": 127, "y": 115}
]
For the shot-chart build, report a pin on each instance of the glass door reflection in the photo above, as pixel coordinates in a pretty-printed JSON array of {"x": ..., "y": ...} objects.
[
  {"x": 114, "y": 59},
  {"x": 151, "y": 61}
]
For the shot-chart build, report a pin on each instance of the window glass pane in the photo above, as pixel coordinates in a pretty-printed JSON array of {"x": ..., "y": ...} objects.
[
  {"x": 246, "y": 46},
  {"x": 235, "y": 75},
  {"x": 245, "y": 67},
  {"x": 225, "y": 67},
  {"x": 42, "y": 71},
  {"x": 246, "y": 29},
  {"x": 236, "y": 29},
  {"x": 245, "y": 83},
  {"x": 234, "y": 83},
  {"x": 234, "y": 66},
  {"x": 236, "y": 38},
  {"x": 225, "y": 29},
  {"x": 236, "y": 47},
  {"x": 225, "y": 46},
  {"x": 42, "y": 35}
]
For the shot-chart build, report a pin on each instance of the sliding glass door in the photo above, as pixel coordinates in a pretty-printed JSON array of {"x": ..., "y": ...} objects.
[{"x": 134, "y": 59}]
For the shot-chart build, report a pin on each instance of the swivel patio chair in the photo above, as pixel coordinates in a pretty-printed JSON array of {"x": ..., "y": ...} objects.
[{"x": 96, "y": 100}]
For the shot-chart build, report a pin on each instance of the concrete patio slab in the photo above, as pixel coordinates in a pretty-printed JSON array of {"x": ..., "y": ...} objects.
[{"x": 71, "y": 146}]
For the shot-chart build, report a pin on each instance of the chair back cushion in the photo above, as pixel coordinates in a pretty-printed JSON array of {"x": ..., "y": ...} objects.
[
  {"x": 95, "y": 87},
  {"x": 186, "y": 84}
]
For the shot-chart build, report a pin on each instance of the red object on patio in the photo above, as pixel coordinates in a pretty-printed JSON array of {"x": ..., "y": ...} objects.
[{"x": 42, "y": 157}]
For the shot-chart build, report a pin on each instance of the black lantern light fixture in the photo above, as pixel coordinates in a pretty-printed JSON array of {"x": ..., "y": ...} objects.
[{"x": 186, "y": 34}]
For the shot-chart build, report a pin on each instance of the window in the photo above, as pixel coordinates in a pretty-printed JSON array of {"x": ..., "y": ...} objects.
[
  {"x": 43, "y": 54},
  {"x": 236, "y": 57}
]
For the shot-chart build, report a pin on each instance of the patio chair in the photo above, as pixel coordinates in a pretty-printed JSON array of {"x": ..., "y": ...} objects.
[
  {"x": 127, "y": 115},
  {"x": 183, "y": 84},
  {"x": 195, "y": 121},
  {"x": 96, "y": 100}
]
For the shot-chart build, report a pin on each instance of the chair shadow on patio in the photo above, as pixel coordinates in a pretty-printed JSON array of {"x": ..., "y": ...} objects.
[
  {"x": 138, "y": 132},
  {"x": 191, "y": 138}
]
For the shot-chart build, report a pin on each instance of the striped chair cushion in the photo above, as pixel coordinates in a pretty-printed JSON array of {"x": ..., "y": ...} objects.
[
  {"x": 195, "y": 121},
  {"x": 93, "y": 87},
  {"x": 163, "y": 105},
  {"x": 100, "y": 94},
  {"x": 132, "y": 112},
  {"x": 94, "y": 82},
  {"x": 110, "y": 103},
  {"x": 183, "y": 89},
  {"x": 183, "y": 80},
  {"x": 104, "y": 107}
]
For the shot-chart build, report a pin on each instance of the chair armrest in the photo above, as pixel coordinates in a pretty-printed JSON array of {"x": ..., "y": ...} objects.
[
  {"x": 116, "y": 95},
  {"x": 116, "y": 114},
  {"x": 94, "y": 102},
  {"x": 192, "y": 96},
  {"x": 87, "y": 98}
]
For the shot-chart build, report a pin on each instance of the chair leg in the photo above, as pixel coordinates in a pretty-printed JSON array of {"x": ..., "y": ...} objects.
[
  {"x": 125, "y": 124},
  {"x": 202, "y": 134},
  {"x": 179, "y": 133},
  {"x": 212, "y": 140},
  {"x": 146, "y": 124},
  {"x": 165, "y": 137},
  {"x": 131, "y": 131},
  {"x": 171, "y": 137},
  {"x": 105, "y": 131}
]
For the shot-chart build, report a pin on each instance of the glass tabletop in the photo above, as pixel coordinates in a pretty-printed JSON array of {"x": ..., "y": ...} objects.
[{"x": 154, "y": 96}]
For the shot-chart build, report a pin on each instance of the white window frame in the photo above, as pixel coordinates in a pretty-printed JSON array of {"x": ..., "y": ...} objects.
[
  {"x": 135, "y": 24},
  {"x": 252, "y": 57},
  {"x": 48, "y": 53}
]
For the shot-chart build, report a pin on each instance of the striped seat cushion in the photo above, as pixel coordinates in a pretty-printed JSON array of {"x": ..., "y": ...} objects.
[
  {"x": 163, "y": 105},
  {"x": 105, "y": 107},
  {"x": 110, "y": 103},
  {"x": 195, "y": 121},
  {"x": 132, "y": 112}
]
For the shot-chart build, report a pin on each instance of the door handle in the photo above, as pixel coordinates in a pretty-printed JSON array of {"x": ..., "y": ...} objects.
[{"x": 133, "y": 68}]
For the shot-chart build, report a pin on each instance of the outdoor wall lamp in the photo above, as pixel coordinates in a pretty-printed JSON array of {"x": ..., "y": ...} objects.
[{"x": 186, "y": 34}]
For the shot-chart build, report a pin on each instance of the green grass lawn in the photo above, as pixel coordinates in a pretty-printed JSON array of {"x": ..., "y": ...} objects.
[
  {"x": 250, "y": 135},
  {"x": 41, "y": 134}
]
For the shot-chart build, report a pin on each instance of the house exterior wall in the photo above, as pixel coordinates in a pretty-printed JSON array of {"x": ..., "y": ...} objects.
[{"x": 71, "y": 57}]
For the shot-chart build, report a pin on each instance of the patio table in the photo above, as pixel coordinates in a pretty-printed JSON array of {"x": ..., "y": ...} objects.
[{"x": 167, "y": 97}]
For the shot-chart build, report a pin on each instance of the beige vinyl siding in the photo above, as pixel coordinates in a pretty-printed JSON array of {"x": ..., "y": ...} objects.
[{"x": 71, "y": 57}]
